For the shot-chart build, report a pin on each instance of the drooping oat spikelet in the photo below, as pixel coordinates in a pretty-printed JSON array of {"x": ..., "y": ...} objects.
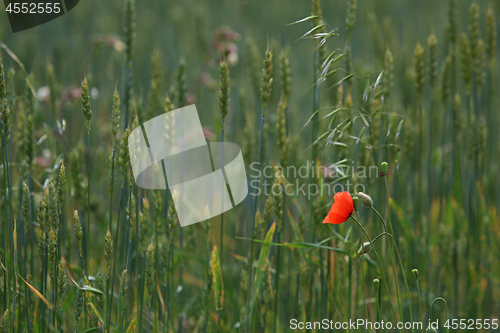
[
  {"x": 419, "y": 71},
  {"x": 181, "y": 84},
  {"x": 150, "y": 270},
  {"x": 388, "y": 73},
  {"x": 466, "y": 59},
  {"x": 61, "y": 188},
  {"x": 144, "y": 225},
  {"x": 446, "y": 80},
  {"x": 108, "y": 252},
  {"x": 491, "y": 37},
  {"x": 432, "y": 43},
  {"x": 224, "y": 92},
  {"x": 78, "y": 231},
  {"x": 267, "y": 80},
  {"x": 86, "y": 107}
]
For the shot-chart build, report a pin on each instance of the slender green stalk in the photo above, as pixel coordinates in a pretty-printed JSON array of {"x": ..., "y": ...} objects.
[{"x": 391, "y": 230}]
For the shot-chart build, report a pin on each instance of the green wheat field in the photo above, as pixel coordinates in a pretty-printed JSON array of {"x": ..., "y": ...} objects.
[{"x": 393, "y": 101}]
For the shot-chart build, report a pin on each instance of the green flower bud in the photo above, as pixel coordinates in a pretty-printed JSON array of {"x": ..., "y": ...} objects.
[
  {"x": 365, "y": 199},
  {"x": 415, "y": 273},
  {"x": 384, "y": 166},
  {"x": 355, "y": 201},
  {"x": 376, "y": 284},
  {"x": 365, "y": 248}
]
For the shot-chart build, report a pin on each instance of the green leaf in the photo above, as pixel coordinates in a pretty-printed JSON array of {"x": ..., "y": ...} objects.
[
  {"x": 91, "y": 289},
  {"x": 261, "y": 265},
  {"x": 91, "y": 329},
  {"x": 300, "y": 245}
]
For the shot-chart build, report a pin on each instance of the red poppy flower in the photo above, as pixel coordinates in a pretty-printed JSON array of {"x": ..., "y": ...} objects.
[{"x": 341, "y": 209}]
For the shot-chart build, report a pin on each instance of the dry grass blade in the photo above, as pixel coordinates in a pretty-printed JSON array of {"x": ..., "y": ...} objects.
[{"x": 37, "y": 293}]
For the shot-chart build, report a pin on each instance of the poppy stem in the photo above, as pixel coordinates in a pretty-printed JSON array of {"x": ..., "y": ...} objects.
[
  {"x": 362, "y": 265},
  {"x": 381, "y": 265},
  {"x": 395, "y": 246}
]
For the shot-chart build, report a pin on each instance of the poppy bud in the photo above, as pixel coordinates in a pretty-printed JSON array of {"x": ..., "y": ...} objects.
[
  {"x": 376, "y": 284},
  {"x": 355, "y": 201},
  {"x": 365, "y": 248},
  {"x": 415, "y": 272},
  {"x": 383, "y": 167},
  {"x": 365, "y": 199}
]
